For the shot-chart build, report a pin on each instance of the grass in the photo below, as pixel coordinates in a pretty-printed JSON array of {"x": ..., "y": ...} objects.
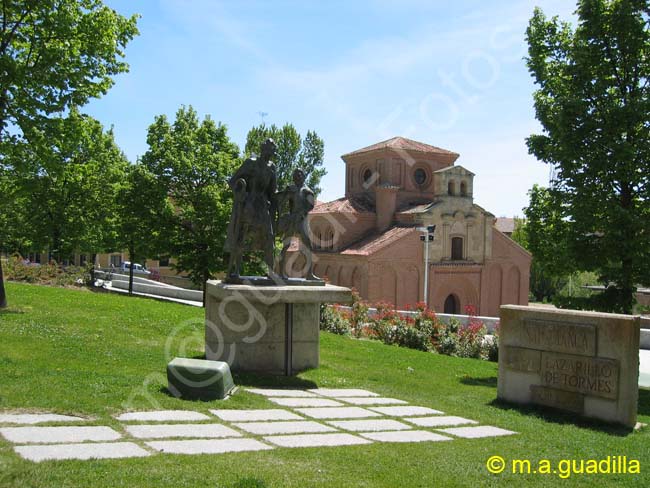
[{"x": 95, "y": 354}]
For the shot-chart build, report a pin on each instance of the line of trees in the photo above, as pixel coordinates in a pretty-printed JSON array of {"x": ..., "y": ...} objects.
[
  {"x": 74, "y": 191},
  {"x": 65, "y": 185}
]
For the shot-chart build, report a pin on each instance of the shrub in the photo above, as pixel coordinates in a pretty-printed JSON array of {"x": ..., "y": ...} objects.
[
  {"x": 391, "y": 327},
  {"x": 447, "y": 338},
  {"x": 427, "y": 323},
  {"x": 333, "y": 320},
  {"x": 358, "y": 315},
  {"x": 471, "y": 341},
  {"x": 492, "y": 347},
  {"x": 423, "y": 331},
  {"x": 405, "y": 334},
  {"x": 471, "y": 337},
  {"x": 46, "y": 274}
]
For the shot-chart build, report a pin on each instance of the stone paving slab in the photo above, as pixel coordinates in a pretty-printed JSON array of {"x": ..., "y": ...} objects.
[
  {"x": 406, "y": 411},
  {"x": 439, "y": 421},
  {"x": 477, "y": 432},
  {"x": 208, "y": 446},
  {"x": 53, "y": 435},
  {"x": 270, "y": 392},
  {"x": 369, "y": 425},
  {"x": 337, "y": 412},
  {"x": 36, "y": 418},
  {"x": 306, "y": 402},
  {"x": 372, "y": 401},
  {"x": 405, "y": 436},
  {"x": 112, "y": 450},
  {"x": 316, "y": 440},
  {"x": 197, "y": 431},
  {"x": 163, "y": 416},
  {"x": 343, "y": 392},
  {"x": 269, "y": 428},
  {"x": 255, "y": 415}
]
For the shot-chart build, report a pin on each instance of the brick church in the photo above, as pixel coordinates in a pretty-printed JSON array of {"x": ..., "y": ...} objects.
[{"x": 369, "y": 239}]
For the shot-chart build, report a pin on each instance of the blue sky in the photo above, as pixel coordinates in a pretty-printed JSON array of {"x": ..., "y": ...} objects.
[{"x": 445, "y": 73}]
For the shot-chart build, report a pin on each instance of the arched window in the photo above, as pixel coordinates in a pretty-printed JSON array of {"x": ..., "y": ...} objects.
[
  {"x": 463, "y": 189},
  {"x": 456, "y": 248},
  {"x": 318, "y": 241},
  {"x": 367, "y": 177},
  {"x": 452, "y": 305},
  {"x": 451, "y": 188}
]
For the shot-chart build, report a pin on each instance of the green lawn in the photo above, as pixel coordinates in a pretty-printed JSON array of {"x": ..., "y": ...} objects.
[{"x": 95, "y": 354}]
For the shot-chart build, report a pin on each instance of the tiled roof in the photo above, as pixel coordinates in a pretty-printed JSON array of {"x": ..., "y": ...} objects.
[
  {"x": 345, "y": 205},
  {"x": 405, "y": 144},
  {"x": 417, "y": 208},
  {"x": 378, "y": 241},
  {"x": 456, "y": 169},
  {"x": 505, "y": 225}
]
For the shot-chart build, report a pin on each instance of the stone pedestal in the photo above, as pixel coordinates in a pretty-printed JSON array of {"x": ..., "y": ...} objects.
[
  {"x": 267, "y": 329},
  {"x": 582, "y": 362}
]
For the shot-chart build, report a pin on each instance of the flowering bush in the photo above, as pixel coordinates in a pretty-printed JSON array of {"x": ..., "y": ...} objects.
[
  {"x": 471, "y": 336},
  {"x": 45, "y": 274},
  {"x": 333, "y": 319},
  {"x": 422, "y": 331},
  {"x": 492, "y": 346},
  {"x": 358, "y": 315}
]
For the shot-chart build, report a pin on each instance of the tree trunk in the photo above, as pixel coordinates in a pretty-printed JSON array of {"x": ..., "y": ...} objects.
[
  {"x": 205, "y": 288},
  {"x": 132, "y": 259},
  {"x": 627, "y": 287},
  {"x": 92, "y": 269},
  {"x": 3, "y": 295}
]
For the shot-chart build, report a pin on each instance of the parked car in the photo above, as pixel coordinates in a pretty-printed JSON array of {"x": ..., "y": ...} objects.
[{"x": 137, "y": 268}]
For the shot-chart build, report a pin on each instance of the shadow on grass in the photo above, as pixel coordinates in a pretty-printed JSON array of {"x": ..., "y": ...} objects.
[
  {"x": 563, "y": 418},
  {"x": 11, "y": 311},
  {"x": 272, "y": 381},
  {"x": 263, "y": 380},
  {"x": 166, "y": 391},
  {"x": 250, "y": 483},
  {"x": 489, "y": 381}
]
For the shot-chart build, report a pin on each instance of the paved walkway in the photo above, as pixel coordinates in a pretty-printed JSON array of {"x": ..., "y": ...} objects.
[
  {"x": 107, "y": 286},
  {"x": 312, "y": 418}
]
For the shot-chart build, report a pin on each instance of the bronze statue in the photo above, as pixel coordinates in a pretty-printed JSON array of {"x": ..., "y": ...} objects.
[
  {"x": 300, "y": 200},
  {"x": 253, "y": 212}
]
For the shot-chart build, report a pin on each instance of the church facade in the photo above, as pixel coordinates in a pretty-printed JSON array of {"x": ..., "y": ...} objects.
[{"x": 370, "y": 238}]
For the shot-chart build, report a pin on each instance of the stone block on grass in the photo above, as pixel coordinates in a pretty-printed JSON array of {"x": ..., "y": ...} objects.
[{"x": 199, "y": 379}]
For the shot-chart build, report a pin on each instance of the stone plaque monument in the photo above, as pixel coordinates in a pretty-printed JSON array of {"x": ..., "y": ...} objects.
[
  {"x": 267, "y": 324},
  {"x": 582, "y": 362}
]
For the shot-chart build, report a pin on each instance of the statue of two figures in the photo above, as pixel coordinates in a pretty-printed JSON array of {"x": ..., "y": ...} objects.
[{"x": 257, "y": 218}]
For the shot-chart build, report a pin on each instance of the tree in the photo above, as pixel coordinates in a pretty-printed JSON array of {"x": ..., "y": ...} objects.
[
  {"x": 13, "y": 212},
  {"x": 546, "y": 277},
  {"x": 142, "y": 208},
  {"x": 55, "y": 54},
  {"x": 68, "y": 171},
  {"x": 593, "y": 103},
  {"x": 193, "y": 160},
  {"x": 293, "y": 152}
]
